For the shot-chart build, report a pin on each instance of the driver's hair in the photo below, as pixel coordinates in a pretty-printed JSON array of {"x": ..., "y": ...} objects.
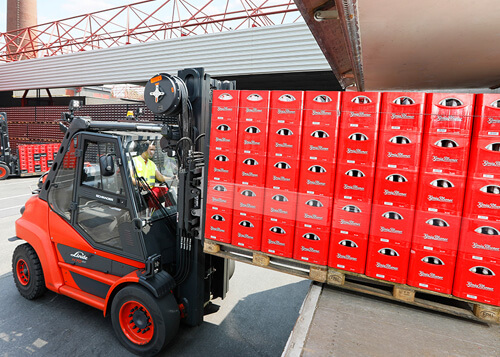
[{"x": 143, "y": 146}]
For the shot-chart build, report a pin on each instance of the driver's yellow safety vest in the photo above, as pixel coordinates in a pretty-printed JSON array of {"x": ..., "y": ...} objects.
[{"x": 145, "y": 169}]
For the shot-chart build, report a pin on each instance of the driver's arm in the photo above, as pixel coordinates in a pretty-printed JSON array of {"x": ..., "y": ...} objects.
[{"x": 159, "y": 176}]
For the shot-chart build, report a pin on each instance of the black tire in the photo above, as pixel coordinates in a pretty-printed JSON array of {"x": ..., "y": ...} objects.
[
  {"x": 156, "y": 321},
  {"x": 28, "y": 272},
  {"x": 4, "y": 171}
]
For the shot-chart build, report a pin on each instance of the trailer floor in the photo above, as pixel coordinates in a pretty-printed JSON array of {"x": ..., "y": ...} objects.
[{"x": 335, "y": 322}]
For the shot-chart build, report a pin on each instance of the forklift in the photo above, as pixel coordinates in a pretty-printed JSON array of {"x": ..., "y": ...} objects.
[
  {"x": 98, "y": 233},
  {"x": 9, "y": 163}
]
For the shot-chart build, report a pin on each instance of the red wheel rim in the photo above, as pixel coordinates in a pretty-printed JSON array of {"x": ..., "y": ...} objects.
[
  {"x": 3, "y": 172},
  {"x": 136, "y": 322},
  {"x": 23, "y": 272}
]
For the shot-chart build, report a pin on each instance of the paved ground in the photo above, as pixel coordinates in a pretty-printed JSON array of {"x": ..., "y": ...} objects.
[{"x": 254, "y": 320}]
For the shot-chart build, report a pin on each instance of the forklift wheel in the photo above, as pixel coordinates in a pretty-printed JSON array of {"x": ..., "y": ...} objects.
[
  {"x": 143, "y": 323},
  {"x": 28, "y": 273},
  {"x": 4, "y": 171}
]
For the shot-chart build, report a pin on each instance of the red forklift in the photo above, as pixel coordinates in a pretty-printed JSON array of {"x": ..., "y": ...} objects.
[{"x": 97, "y": 232}]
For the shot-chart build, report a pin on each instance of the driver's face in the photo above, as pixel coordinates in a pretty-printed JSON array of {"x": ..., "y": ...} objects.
[{"x": 151, "y": 151}]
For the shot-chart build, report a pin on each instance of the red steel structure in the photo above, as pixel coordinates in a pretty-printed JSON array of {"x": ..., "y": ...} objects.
[{"x": 142, "y": 22}]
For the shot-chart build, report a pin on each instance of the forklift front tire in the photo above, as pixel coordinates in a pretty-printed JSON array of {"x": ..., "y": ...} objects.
[
  {"x": 143, "y": 323},
  {"x": 4, "y": 171},
  {"x": 28, "y": 272}
]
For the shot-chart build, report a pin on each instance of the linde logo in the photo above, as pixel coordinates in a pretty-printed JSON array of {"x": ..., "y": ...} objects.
[
  {"x": 280, "y": 178},
  {"x": 322, "y": 112},
  {"x": 79, "y": 255},
  {"x": 349, "y": 223},
  {"x": 398, "y": 155},
  {"x": 253, "y": 110},
  {"x": 485, "y": 247},
  {"x": 226, "y": 140},
  {"x": 430, "y": 275},
  {"x": 488, "y": 205},
  {"x": 402, "y": 116},
  {"x": 449, "y": 118},
  {"x": 390, "y": 230},
  {"x": 247, "y": 205},
  {"x": 346, "y": 257},
  {"x": 312, "y": 216},
  {"x": 220, "y": 170},
  {"x": 316, "y": 183},
  {"x": 283, "y": 145},
  {"x": 493, "y": 121},
  {"x": 217, "y": 229},
  {"x": 444, "y": 159},
  {"x": 216, "y": 199},
  {"x": 310, "y": 250},
  {"x": 357, "y": 151},
  {"x": 275, "y": 242},
  {"x": 490, "y": 163},
  {"x": 394, "y": 193},
  {"x": 253, "y": 142},
  {"x": 286, "y": 111},
  {"x": 479, "y": 286},
  {"x": 386, "y": 266},
  {"x": 224, "y": 109},
  {"x": 251, "y": 174},
  {"x": 360, "y": 115},
  {"x": 274, "y": 210},
  {"x": 318, "y": 148},
  {"x": 244, "y": 236},
  {"x": 439, "y": 199},
  {"x": 353, "y": 187},
  {"x": 435, "y": 237}
]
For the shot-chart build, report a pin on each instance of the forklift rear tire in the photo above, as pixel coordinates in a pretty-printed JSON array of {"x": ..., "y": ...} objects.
[
  {"x": 28, "y": 272},
  {"x": 4, "y": 171},
  {"x": 143, "y": 323}
]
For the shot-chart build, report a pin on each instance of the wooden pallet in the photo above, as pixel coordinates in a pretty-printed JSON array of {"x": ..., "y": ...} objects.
[
  {"x": 436, "y": 301},
  {"x": 298, "y": 268}
]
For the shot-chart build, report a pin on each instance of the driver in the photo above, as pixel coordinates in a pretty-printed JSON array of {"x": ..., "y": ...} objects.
[{"x": 144, "y": 165}]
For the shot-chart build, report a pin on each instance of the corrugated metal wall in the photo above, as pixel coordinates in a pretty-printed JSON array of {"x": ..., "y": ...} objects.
[{"x": 276, "y": 49}]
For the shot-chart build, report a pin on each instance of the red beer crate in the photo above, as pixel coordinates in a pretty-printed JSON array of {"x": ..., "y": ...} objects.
[
  {"x": 360, "y": 110},
  {"x": 351, "y": 217},
  {"x": 403, "y": 112},
  {"x": 357, "y": 147},
  {"x": 487, "y": 115},
  {"x": 284, "y": 140},
  {"x": 480, "y": 237},
  {"x": 311, "y": 244},
  {"x": 441, "y": 193},
  {"x": 251, "y": 169},
  {"x": 221, "y": 166},
  {"x": 218, "y": 224},
  {"x": 252, "y": 138},
  {"x": 448, "y": 113},
  {"x": 399, "y": 150},
  {"x": 286, "y": 107},
  {"x": 389, "y": 224},
  {"x": 249, "y": 199},
  {"x": 280, "y": 204},
  {"x": 319, "y": 143},
  {"x": 437, "y": 230},
  {"x": 477, "y": 278},
  {"x": 442, "y": 154},
  {"x": 315, "y": 210},
  {"x": 485, "y": 157},
  {"x": 224, "y": 136},
  {"x": 277, "y": 237},
  {"x": 254, "y": 106},
  {"x": 224, "y": 106},
  {"x": 396, "y": 188},
  {"x": 432, "y": 270},
  {"x": 347, "y": 252},
  {"x": 247, "y": 230},
  {"x": 317, "y": 177},
  {"x": 354, "y": 182},
  {"x": 283, "y": 173},
  {"x": 482, "y": 199},
  {"x": 387, "y": 261},
  {"x": 321, "y": 109},
  {"x": 220, "y": 194}
]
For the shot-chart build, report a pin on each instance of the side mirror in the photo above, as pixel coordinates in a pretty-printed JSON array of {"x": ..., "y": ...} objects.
[{"x": 107, "y": 165}]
